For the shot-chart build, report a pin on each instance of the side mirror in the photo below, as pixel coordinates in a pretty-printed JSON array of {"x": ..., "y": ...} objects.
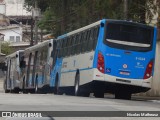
[{"x": 22, "y": 64}]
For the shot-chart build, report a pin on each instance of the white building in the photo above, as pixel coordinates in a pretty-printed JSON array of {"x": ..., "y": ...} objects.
[
  {"x": 11, "y": 34},
  {"x": 12, "y": 16},
  {"x": 16, "y": 8}
]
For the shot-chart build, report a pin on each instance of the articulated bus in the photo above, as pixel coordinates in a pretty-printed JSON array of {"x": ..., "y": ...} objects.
[
  {"x": 109, "y": 56},
  {"x": 36, "y": 75},
  {"x": 13, "y": 73}
]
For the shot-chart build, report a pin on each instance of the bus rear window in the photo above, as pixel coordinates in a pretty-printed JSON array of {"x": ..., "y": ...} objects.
[{"x": 130, "y": 35}]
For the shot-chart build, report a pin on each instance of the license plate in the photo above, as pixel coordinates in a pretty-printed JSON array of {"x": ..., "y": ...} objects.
[{"x": 124, "y": 73}]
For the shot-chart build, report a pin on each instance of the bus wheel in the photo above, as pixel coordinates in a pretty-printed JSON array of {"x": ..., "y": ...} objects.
[
  {"x": 78, "y": 90},
  {"x": 5, "y": 87},
  {"x": 16, "y": 90},
  {"x": 23, "y": 85},
  {"x": 76, "y": 85},
  {"x": 56, "y": 89},
  {"x": 36, "y": 85}
]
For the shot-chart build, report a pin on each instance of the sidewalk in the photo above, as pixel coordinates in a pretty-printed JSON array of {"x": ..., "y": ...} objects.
[{"x": 136, "y": 97}]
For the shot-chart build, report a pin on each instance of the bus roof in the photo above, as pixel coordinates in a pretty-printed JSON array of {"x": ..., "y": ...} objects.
[
  {"x": 97, "y": 23},
  {"x": 80, "y": 29},
  {"x": 37, "y": 46},
  {"x": 14, "y": 54}
]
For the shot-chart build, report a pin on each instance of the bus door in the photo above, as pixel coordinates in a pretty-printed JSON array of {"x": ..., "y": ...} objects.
[
  {"x": 8, "y": 80},
  {"x": 54, "y": 53}
]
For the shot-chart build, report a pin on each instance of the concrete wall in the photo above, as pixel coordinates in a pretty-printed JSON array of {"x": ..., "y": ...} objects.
[{"x": 155, "y": 90}]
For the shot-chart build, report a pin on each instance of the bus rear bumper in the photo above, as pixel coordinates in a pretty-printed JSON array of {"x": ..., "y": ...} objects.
[
  {"x": 98, "y": 76},
  {"x": 110, "y": 87}
]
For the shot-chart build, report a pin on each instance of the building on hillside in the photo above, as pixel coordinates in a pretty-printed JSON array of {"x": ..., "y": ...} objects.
[
  {"x": 13, "y": 20},
  {"x": 16, "y": 12},
  {"x": 12, "y": 33}
]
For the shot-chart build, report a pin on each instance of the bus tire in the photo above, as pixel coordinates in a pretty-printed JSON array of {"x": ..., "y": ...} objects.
[
  {"x": 23, "y": 85},
  {"x": 36, "y": 85},
  {"x": 5, "y": 87},
  {"x": 15, "y": 90},
  {"x": 56, "y": 88},
  {"x": 76, "y": 85},
  {"x": 79, "y": 90}
]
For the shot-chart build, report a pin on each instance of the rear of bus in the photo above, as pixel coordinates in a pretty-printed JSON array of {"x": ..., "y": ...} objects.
[{"x": 124, "y": 57}]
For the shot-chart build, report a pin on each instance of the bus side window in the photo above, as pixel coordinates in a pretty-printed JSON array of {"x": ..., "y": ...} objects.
[
  {"x": 60, "y": 48},
  {"x": 64, "y": 47},
  {"x": 95, "y": 37},
  {"x": 79, "y": 43},
  {"x": 22, "y": 62},
  {"x": 84, "y": 44},
  {"x": 76, "y": 43},
  {"x": 67, "y": 46},
  {"x": 70, "y": 45},
  {"x": 4, "y": 66},
  {"x": 82, "y": 40},
  {"x": 73, "y": 45},
  {"x": 88, "y": 40}
]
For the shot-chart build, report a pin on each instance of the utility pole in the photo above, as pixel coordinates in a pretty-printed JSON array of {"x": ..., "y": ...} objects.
[
  {"x": 36, "y": 21},
  {"x": 31, "y": 42},
  {"x": 125, "y": 9}
]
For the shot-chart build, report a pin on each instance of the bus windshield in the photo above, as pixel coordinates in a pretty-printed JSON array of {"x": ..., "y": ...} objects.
[{"x": 129, "y": 35}]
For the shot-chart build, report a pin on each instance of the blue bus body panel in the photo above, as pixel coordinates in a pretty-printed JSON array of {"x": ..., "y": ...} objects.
[
  {"x": 120, "y": 64},
  {"x": 123, "y": 63},
  {"x": 55, "y": 70}
]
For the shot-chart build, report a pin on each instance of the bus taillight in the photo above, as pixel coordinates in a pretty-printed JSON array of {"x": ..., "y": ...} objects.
[
  {"x": 148, "y": 72},
  {"x": 100, "y": 64}
]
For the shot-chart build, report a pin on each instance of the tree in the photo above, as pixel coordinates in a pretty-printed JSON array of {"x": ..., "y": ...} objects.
[
  {"x": 6, "y": 49},
  {"x": 62, "y": 16},
  {"x": 140, "y": 10},
  {"x": 29, "y": 4}
]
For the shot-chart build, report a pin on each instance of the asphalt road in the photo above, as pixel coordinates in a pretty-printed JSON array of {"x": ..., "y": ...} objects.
[{"x": 51, "y": 102}]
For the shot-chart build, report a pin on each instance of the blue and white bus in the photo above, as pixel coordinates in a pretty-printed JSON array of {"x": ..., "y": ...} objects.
[{"x": 109, "y": 56}]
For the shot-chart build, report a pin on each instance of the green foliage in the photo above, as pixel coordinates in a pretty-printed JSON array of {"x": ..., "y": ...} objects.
[
  {"x": 29, "y": 4},
  {"x": 62, "y": 16},
  {"x": 46, "y": 21},
  {"x": 6, "y": 49}
]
